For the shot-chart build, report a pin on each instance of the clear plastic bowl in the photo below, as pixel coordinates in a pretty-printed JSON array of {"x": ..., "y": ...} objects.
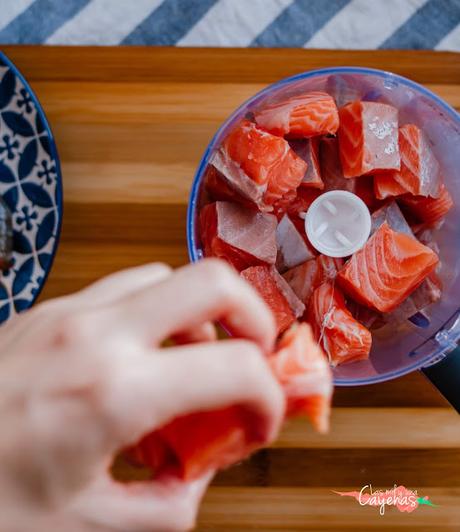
[{"x": 409, "y": 348}]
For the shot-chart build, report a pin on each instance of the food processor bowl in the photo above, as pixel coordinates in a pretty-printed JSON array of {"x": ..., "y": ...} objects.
[{"x": 408, "y": 348}]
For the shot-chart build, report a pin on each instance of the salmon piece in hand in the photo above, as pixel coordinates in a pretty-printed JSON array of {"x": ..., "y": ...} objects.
[
  {"x": 387, "y": 269},
  {"x": 277, "y": 294},
  {"x": 191, "y": 445},
  {"x": 420, "y": 173},
  {"x": 303, "y": 116},
  {"x": 368, "y": 138},
  {"x": 303, "y": 371},
  {"x": 266, "y": 159},
  {"x": 343, "y": 338},
  {"x": 238, "y": 235}
]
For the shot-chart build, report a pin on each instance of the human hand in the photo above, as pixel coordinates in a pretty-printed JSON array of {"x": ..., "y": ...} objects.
[{"x": 85, "y": 375}]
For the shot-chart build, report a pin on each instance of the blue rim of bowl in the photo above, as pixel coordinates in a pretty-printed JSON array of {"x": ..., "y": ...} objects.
[
  {"x": 55, "y": 157},
  {"x": 193, "y": 196}
]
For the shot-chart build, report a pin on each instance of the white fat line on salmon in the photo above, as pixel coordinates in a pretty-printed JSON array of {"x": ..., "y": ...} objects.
[
  {"x": 325, "y": 321},
  {"x": 354, "y": 141},
  {"x": 355, "y": 332}
]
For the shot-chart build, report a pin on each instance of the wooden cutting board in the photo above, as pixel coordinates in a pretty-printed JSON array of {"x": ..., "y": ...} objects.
[{"x": 131, "y": 125}]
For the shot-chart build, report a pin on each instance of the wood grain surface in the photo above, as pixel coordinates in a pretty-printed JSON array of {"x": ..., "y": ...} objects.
[{"x": 131, "y": 125}]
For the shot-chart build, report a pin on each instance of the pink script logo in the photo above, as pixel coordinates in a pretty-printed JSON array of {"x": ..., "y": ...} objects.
[{"x": 404, "y": 499}]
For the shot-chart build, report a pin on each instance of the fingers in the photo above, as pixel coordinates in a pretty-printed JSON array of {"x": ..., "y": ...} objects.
[
  {"x": 146, "y": 392},
  {"x": 120, "y": 284},
  {"x": 207, "y": 291},
  {"x": 101, "y": 293},
  {"x": 167, "y": 505},
  {"x": 205, "y": 332},
  {"x": 123, "y": 283}
]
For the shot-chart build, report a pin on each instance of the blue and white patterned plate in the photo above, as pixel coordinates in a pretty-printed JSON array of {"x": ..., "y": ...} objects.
[{"x": 31, "y": 186}]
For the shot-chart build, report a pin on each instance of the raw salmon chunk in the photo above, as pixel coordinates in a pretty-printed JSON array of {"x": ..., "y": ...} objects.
[
  {"x": 420, "y": 171},
  {"x": 368, "y": 138},
  {"x": 426, "y": 236},
  {"x": 266, "y": 159},
  {"x": 302, "y": 279},
  {"x": 426, "y": 294},
  {"x": 371, "y": 319},
  {"x": 365, "y": 190},
  {"x": 276, "y": 292},
  {"x": 191, "y": 445},
  {"x": 299, "y": 203},
  {"x": 331, "y": 167},
  {"x": 328, "y": 267},
  {"x": 238, "y": 235},
  {"x": 386, "y": 186},
  {"x": 225, "y": 180},
  {"x": 292, "y": 247},
  {"x": 303, "y": 116},
  {"x": 343, "y": 338},
  {"x": 392, "y": 215},
  {"x": 305, "y": 278},
  {"x": 429, "y": 210},
  {"x": 387, "y": 269},
  {"x": 302, "y": 369},
  {"x": 299, "y": 222},
  {"x": 308, "y": 150},
  {"x": 429, "y": 292},
  {"x": 333, "y": 178},
  {"x": 217, "y": 186}
]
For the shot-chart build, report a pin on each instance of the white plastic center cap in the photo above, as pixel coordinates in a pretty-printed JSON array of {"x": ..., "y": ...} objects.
[{"x": 338, "y": 223}]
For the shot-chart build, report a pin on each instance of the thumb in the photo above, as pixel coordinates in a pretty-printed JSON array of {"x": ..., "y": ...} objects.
[{"x": 166, "y": 504}]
